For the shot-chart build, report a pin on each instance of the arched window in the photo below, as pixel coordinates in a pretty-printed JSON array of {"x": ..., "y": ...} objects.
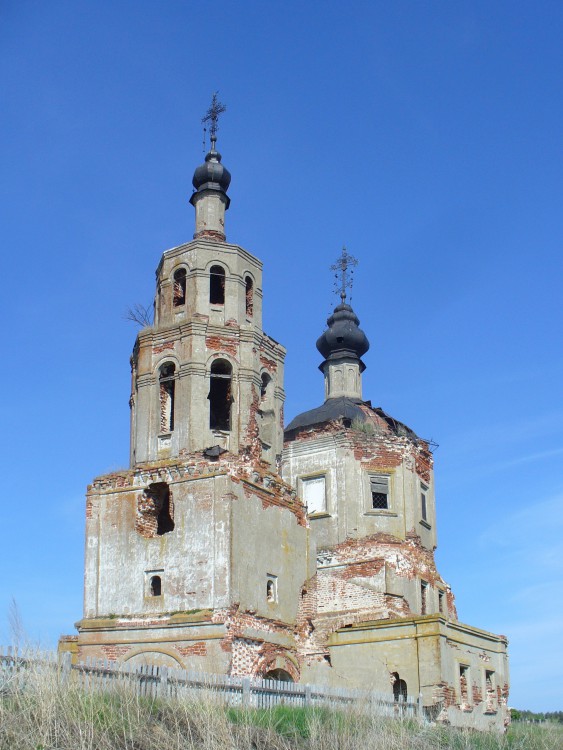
[
  {"x": 166, "y": 382},
  {"x": 220, "y": 395},
  {"x": 249, "y": 296},
  {"x": 217, "y": 285},
  {"x": 156, "y": 586},
  {"x": 179, "y": 294}
]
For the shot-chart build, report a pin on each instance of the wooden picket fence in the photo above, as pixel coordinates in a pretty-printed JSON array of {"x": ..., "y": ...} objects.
[{"x": 163, "y": 682}]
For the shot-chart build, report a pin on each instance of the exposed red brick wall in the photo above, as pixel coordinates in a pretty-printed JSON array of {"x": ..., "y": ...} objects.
[
  {"x": 113, "y": 652},
  {"x": 166, "y": 346},
  {"x": 268, "y": 363},
  {"x": 222, "y": 344},
  {"x": 195, "y": 649}
]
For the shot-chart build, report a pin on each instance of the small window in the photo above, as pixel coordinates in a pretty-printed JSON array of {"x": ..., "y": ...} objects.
[
  {"x": 271, "y": 588},
  {"x": 217, "y": 285},
  {"x": 179, "y": 293},
  {"x": 155, "y": 586},
  {"x": 379, "y": 486},
  {"x": 441, "y": 603},
  {"x": 423, "y": 597},
  {"x": 220, "y": 395},
  {"x": 249, "y": 284},
  {"x": 314, "y": 494},
  {"x": 423, "y": 508}
]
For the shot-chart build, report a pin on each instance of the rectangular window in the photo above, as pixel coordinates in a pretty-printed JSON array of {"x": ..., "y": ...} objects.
[
  {"x": 379, "y": 487},
  {"x": 441, "y": 605},
  {"x": 314, "y": 494},
  {"x": 423, "y": 508}
]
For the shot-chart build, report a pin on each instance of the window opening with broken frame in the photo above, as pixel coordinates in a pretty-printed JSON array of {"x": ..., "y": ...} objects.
[
  {"x": 464, "y": 683},
  {"x": 423, "y": 597},
  {"x": 379, "y": 488},
  {"x": 220, "y": 395},
  {"x": 217, "y": 285}
]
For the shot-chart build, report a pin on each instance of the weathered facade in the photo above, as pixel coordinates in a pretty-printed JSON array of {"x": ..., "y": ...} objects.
[{"x": 227, "y": 547}]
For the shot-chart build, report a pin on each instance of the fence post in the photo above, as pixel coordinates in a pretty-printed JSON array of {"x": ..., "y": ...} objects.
[
  {"x": 307, "y": 696},
  {"x": 66, "y": 666},
  {"x": 163, "y": 684},
  {"x": 419, "y": 706},
  {"x": 246, "y": 691}
]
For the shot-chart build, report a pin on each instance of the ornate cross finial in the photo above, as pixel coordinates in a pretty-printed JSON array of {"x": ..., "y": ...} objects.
[
  {"x": 212, "y": 116},
  {"x": 344, "y": 268}
]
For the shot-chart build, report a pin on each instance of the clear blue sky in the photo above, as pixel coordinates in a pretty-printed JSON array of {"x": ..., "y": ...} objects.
[{"x": 427, "y": 137}]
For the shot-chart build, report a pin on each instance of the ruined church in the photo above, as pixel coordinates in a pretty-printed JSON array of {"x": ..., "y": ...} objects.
[{"x": 232, "y": 545}]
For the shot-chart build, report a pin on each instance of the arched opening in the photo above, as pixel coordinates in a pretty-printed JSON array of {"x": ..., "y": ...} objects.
[
  {"x": 217, "y": 285},
  {"x": 249, "y": 296},
  {"x": 399, "y": 689},
  {"x": 220, "y": 395},
  {"x": 266, "y": 380},
  {"x": 280, "y": 675},
  {"x": 179, "y": 293},
  {"x": 166, "y": 382},
  {"x": 156, "y": 586}
]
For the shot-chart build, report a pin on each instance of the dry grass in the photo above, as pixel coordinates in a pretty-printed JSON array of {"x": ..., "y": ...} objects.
[{"x": 38, "y": 711}]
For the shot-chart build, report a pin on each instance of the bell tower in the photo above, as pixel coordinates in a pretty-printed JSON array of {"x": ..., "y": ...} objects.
[
  {"x": 200, "y": 542},
  {"x": 205, "y": 375}
]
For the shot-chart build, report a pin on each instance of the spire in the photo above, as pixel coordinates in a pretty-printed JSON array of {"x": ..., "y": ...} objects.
[
  {"x": 343, "y": 343},
  {"x": 211, "y": 181}
]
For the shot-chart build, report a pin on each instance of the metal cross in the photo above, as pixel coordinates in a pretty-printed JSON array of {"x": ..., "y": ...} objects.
[
  {"x": 343, "y": 263},
  {"x": 212, "y": 116}
]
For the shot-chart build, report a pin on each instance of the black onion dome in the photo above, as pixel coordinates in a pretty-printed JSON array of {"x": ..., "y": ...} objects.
[
  {"x": 212, "y": 175},
  {"x": 343, "y": 338}
]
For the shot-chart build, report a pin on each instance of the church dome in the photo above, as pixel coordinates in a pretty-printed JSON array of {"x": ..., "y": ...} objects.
[
  {"x": 343, "y": 338},
  {"x": 212, "y": 175}
]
